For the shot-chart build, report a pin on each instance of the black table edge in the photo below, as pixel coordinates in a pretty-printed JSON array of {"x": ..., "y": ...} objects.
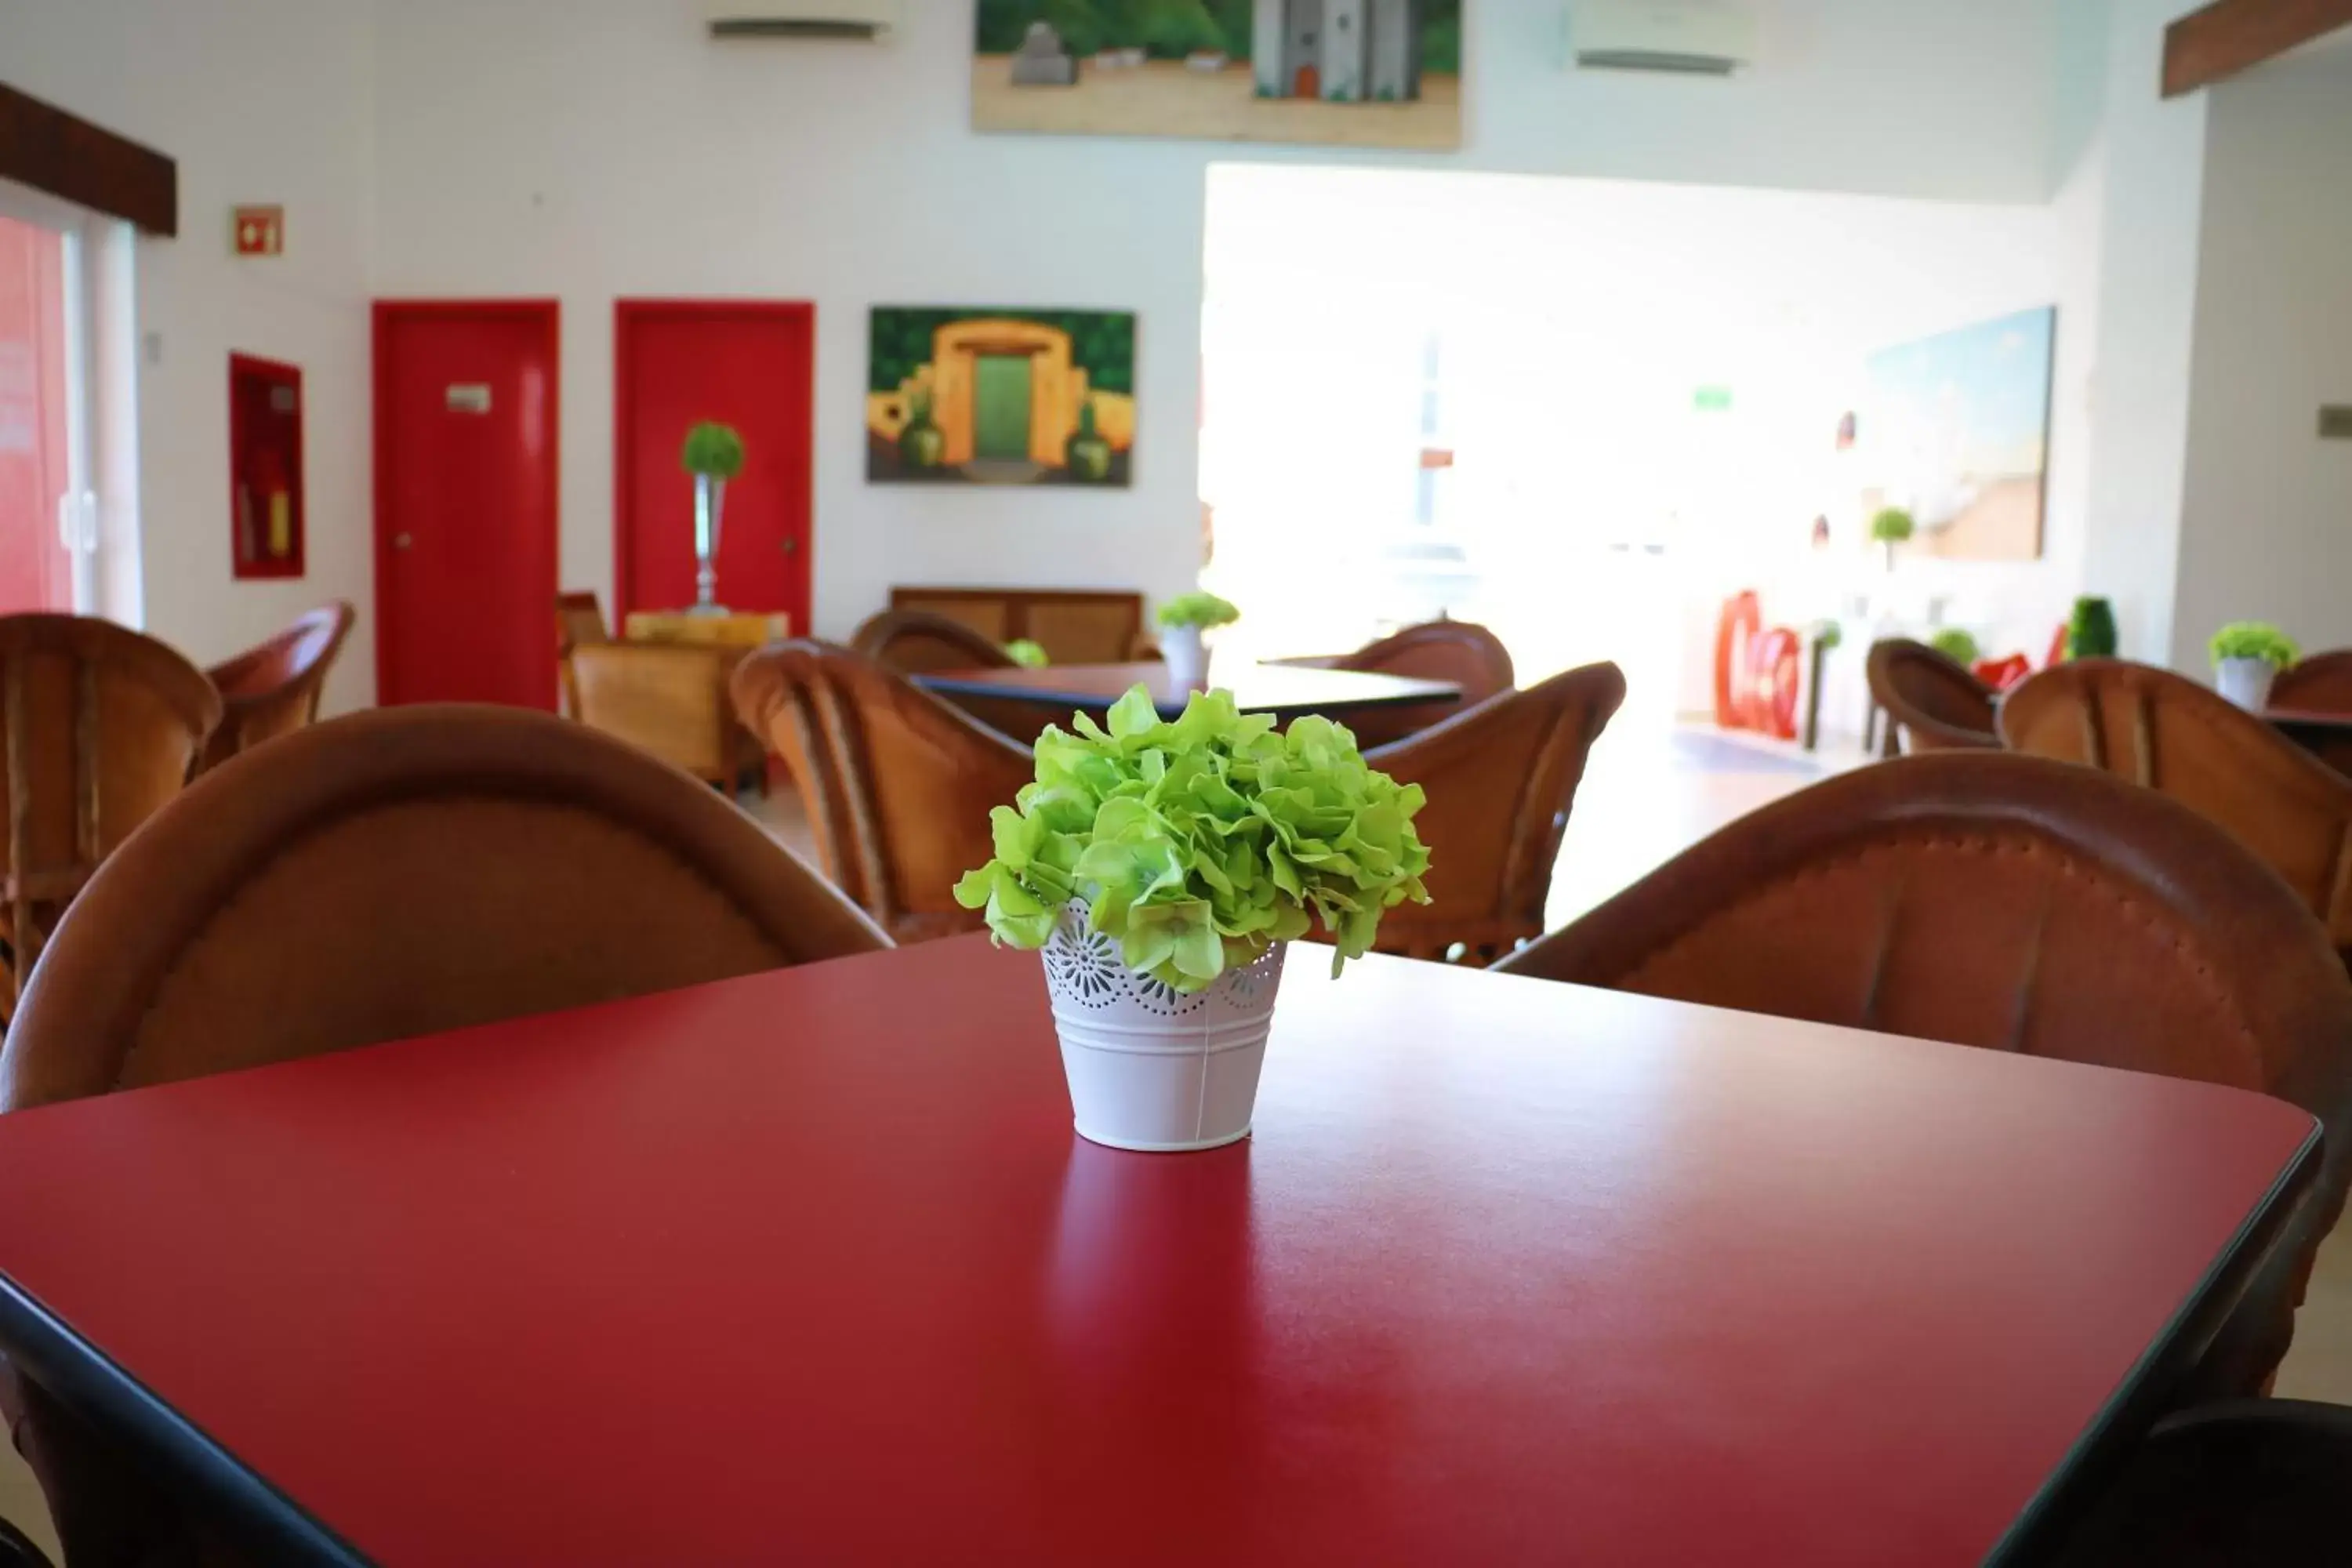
[
  {"x": 1094, "y": 702},
  {"x": 229, "y": 1496},
  {"x": 2145, "y": 1395}
]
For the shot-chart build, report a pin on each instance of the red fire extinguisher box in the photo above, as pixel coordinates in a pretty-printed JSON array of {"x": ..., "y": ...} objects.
[{"x": 265, "y": 451}]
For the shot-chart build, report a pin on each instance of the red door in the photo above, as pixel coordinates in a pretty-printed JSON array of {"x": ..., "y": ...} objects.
[
  {"x": 35, "y": 572},
  {"x": 466, "y": 497},
  {"x": 746, "y": 364}
]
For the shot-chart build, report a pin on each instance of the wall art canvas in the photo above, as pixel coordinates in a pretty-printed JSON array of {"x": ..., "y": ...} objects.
[
  {"x": 1363, "y": 73},
  {"x": 1008, "y": 396},
  {"x": 1955, "y": 430}
]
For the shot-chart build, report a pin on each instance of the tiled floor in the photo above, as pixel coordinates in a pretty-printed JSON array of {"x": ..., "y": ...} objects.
[{"x": 1646, "y": 795}]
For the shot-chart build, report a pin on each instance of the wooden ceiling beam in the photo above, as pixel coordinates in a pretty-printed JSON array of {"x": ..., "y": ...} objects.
[
  {"x": 43, "y": 146},
  {"x": 2231, "y": 35}
]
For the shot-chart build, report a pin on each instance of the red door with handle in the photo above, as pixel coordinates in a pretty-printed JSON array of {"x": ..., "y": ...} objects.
[
  {"x": 465, "y": 501},
  {"x": 748, "y": 364}
]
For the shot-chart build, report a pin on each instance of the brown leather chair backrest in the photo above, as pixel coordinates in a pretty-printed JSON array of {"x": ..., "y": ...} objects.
[
  {"x": 2015, "y": 904},
  {"x": 579, "y": 619},
  {"x": 2319, "y": 683},
  {"x": 1500, "y": 781},
  {"x": 101, "y": 726},
  {"x": 1938, "y": 703},
  {"x": 668, "y": 699},
  {"x": 1462, "y": 652},
  {"x": 401, "y": 872},
  {"x": 915, "y": 642},
  {"x": 1073, "y": 626},
  {"x": 897, "y": 785},
  {"x": 2172, "y": 735},
  {"x": 274, "y": 688}
]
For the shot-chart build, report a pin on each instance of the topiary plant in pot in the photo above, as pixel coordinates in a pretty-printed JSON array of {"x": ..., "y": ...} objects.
[
  {"x": 1891, "y": 526},
  {"x": 2091, "y": 629},
  {"x": 1956, "y": 645},
  {"x": 2247, "y": 656},
  {"x": 1162, "y": 866},
  {"x": 1183, "y": 621},
  {"x": 1026, "y": 653},
  {"x": 713, "y": 454}
]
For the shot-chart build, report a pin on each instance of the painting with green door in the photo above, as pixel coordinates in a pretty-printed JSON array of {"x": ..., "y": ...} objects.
[{"x": 1007, "y": 396}]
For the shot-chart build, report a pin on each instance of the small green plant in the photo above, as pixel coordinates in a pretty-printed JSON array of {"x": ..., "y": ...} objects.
[
  {"x": 1955, "y": 644},
  {"x": 1200, "y": 841},
  {"x": 1892, "y": 525},
  {"x": 2091, "y": 629},
  {"x": 1028, "y": 655},
  {"x": 1828, "y": 634},
  {"x": 1198, "y": 609},
  {"x": 2254, "y": 640},
  {"x": 712, "y": 450}
]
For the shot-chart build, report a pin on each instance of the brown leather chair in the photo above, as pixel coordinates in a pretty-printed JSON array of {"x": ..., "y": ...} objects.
[
  {"x": 915, "y": 642},
  {"x": 1462, "y": 652},
  {"x": 2172, "y": 735},
  {"x": 274, "y": 688},
  {"x": 898, "y": 783},
  {"x": 579, "y": 619},
  {"x": 1500, "y": 779},
  {"x": 2318, "y": 683},
  {"x": 1937, "y": 703},
  {"x": 1073, "y": 626},
  {"x": 2016, "y": 904},
  {"x": 668, "y": 699},
  {"x": 101, "y": 727},
  {"x": 393, "y": 873}
]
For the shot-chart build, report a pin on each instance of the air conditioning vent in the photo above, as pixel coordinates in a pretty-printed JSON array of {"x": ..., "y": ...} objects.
[
  {"x": 1677, "y": 37},
  {"x": 864, "y": 21}
]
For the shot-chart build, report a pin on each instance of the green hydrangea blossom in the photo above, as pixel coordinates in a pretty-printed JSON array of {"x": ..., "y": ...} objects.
[
  {"x": 1201, "y": 842},
  {"x": 1199, "y": 608}
]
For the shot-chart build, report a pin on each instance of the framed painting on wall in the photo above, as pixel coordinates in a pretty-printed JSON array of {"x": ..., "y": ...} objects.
[
  {"x": 1955, "y": 430},
  {"x": 1362, "y": 73},
  {"x": 1008, "y": 396}
]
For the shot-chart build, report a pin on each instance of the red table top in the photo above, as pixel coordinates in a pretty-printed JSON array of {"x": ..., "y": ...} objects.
[
  {"x": 1280, "y": 688},
  {"x": 809, "y": 1267}
]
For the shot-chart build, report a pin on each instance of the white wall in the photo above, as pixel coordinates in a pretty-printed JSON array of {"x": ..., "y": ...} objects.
[
  {"x": 591, "y": 149},
  {"x": 258, "y": 100},
  {"x": 2267, "y": 529},
  {"x": 2150, "y": 154}
]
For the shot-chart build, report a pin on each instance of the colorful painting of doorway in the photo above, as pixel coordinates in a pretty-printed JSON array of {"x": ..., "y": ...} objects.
[{"x": 999, "y": 397}]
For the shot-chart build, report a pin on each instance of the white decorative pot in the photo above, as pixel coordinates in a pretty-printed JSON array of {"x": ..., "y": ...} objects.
[
  {"x": 1150, "y": 1066},
  {"x": 2246, "y": 681},
  {"x": 1187, "y": 657}
]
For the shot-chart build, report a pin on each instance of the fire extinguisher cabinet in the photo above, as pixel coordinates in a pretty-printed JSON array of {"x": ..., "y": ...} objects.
[{"x": 265, "y": 442}]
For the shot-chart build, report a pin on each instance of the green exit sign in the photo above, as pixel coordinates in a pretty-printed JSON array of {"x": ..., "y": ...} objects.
[{"x": 1712, "y": 400}]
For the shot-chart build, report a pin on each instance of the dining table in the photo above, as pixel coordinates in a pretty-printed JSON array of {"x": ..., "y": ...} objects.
[
  {"x": 1285, "y": 690},
  {"x": 809, "y": 1266},
  {"x": 2327, "y": 736}
]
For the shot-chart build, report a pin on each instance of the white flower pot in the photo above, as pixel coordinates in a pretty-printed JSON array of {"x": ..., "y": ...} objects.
[
  {"x": 1151, "y": 1067},
  {"x": 1187, "y": 657},
  {"x": 2246, "y": 681}
]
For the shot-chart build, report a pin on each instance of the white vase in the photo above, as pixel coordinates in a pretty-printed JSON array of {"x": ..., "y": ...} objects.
[
  {"x": 709, "y": 521},
  {"x": 1150, "y": 1066},
  {"x": 1187, "y": 657},
  {"x": 2246, "y": 682}
]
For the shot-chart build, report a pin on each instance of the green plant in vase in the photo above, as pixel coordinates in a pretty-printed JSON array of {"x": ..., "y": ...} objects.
[
  {"x": 1891, "y": 526},
  {"x": 1160, "y": 864},
  {"x": 2091, "y": 629},
  {"x": 2247, "y": 656},
  {"x": 1088, "y": 453},
  {"x": 1028, "y": 654},
  {"x": 922, "y": 443},
  {"x": 712, "y": 455},
  {"x": 1956, "y": 644},
  {"x": 1183, "y": 621}
]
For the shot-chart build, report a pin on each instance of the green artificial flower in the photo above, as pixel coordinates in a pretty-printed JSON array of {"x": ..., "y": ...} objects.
[
  {"x": 712, "y": 450},
  {"x": 2254, "y": 639},
  {"x": 1028, "y": 655},
  {"x": 1198, "y": 609},
  {"x": 1200, "y": 841}
]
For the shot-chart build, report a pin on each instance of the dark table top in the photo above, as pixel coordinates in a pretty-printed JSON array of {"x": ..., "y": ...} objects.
[
  {"x": 809, "y": 1267},
  {"x": 1278, "y": 688}
]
